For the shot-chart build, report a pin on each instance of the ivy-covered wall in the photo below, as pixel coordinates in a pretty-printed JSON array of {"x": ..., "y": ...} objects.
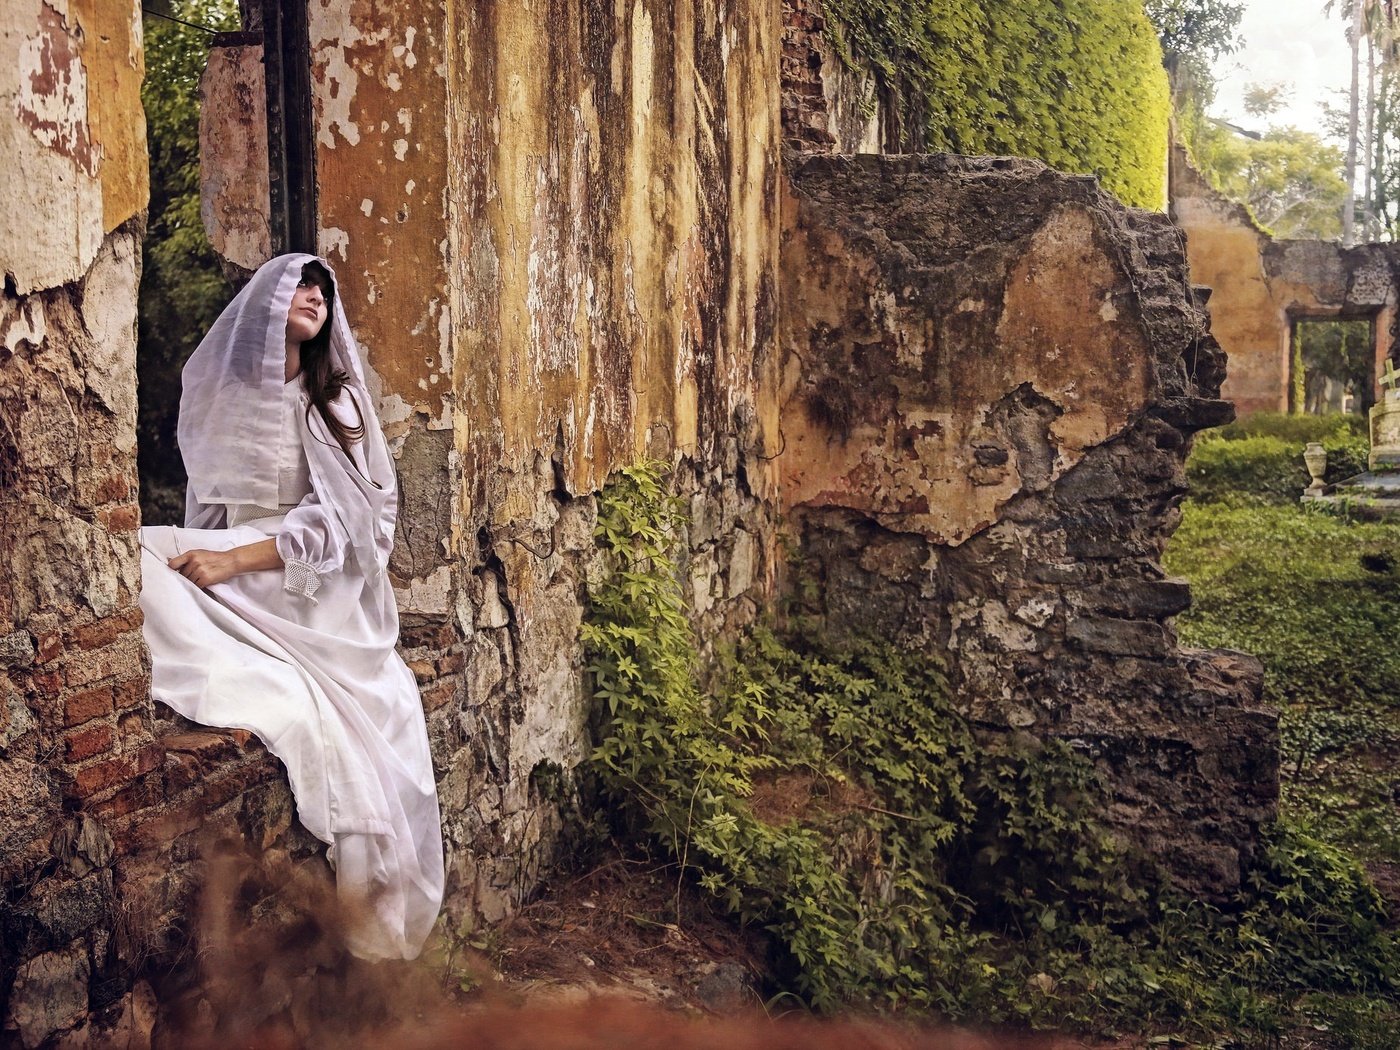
[{"x": 1078, "y": 84}]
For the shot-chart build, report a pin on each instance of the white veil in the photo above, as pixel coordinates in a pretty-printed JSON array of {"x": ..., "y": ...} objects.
[{"x": 230, "y": 418}]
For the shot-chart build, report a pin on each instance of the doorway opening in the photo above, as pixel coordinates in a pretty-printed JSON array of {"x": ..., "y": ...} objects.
[
  {"x": 184, "y": 281},
  {"x": 1332, "y": 365}
]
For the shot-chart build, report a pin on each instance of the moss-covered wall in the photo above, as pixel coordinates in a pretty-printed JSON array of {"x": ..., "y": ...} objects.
[{"x": 1078, "y": 84}]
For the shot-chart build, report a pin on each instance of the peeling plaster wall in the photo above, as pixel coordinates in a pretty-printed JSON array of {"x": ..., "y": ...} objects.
[
  {"x": 991, "y": 376},
  {"x": 72, "y": 132},
  {"x": 1259, "y": 283},
  {"x": 76, "y": 719},
  {"x": 613, "y": 174},
  {"x": 379, "y": 93},
  {"x": 616, "y": 169}
]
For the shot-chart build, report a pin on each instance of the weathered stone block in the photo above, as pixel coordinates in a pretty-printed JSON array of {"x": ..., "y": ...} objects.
[{"x": 50, "y": 994}]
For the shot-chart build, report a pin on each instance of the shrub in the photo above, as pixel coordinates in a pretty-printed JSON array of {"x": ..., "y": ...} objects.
[
  {"x": 1078, "y": 84},
  {"x": 1295, "y": 427},
  {"x": 1265, "y": 468}
]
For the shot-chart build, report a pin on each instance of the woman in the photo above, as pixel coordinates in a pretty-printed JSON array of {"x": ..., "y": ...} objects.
[{"x": 271, "y": 610}]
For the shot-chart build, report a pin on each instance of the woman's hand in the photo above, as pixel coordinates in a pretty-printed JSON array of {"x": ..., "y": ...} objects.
[{"x": 206, "y": 568}]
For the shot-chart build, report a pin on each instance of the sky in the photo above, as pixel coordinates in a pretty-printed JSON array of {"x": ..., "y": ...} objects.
[{"x": 1292, "y": 43}]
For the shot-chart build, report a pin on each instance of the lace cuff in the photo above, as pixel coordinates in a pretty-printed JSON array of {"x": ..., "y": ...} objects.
[{"x": 300, "y": 578}]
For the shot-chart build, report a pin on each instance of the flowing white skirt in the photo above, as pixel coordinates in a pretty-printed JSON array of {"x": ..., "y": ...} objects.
[{"x": 324, "y": 688}]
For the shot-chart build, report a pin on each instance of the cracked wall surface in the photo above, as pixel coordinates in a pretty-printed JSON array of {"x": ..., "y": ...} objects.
[{"x": 991, "y": 376}]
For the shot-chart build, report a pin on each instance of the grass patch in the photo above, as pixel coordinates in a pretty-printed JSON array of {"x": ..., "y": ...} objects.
[{"x": 1317, "y": 599}]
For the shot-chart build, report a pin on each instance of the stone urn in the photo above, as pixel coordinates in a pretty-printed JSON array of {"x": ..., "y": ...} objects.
[{"x": 1315, "y": 456}]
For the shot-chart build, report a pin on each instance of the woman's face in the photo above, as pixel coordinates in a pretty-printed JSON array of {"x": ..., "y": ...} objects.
[{"x": 308, "y": 311}]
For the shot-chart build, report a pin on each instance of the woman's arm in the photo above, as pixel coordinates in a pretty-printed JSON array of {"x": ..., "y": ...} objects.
[{"x": 206, "y": 568}]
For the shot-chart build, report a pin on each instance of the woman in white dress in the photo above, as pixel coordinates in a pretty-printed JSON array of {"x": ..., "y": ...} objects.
[{"x": 272, "y": 611}]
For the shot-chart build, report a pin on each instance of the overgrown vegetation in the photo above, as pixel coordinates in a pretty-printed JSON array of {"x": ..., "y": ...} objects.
[
  {"x": 182, "y": 288},
  {"x": 1317, "y": 598},
  {"x": 1078, "y": 84},
  {"x": 1260, "y": 460},
  {"x": 834, "y": 796}
]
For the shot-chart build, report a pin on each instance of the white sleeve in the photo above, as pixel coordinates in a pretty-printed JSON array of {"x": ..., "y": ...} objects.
[{"x": 311, "y": 543}]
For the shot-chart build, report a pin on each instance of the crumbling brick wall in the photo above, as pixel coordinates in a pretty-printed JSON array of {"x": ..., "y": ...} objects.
[{"x": 995, "y": 372}]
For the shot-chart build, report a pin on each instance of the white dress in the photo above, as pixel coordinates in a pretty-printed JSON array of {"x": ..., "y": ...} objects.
[{"x": 304, "y": 657}]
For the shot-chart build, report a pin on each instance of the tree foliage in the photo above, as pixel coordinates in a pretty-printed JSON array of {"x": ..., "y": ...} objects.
[
  {"x": 1340, "y": 352},
  {"x": 182, "y": 286},
  {"x": 1203, "y": 29},
  {"x": 1289, "y": 179},
  {"x": 1077, "y": 84}
]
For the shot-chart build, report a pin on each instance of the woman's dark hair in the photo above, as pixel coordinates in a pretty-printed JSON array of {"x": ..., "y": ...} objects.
[{"x": 322, "y": 380}]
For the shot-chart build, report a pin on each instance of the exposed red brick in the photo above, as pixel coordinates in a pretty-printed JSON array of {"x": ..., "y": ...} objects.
[
  {"x": 181, "y": 770},
  {"x": 156, "y": 829},
  {"x": 123, "y": 518},
  {"x": 46, "y": 683},
  {"x": 131, "y": 726},
  {"x": 132, "y": 693},
  {"x": 439, "y": 695},
  {"x": 143, "y": 793},
  {"x": 49, "y": 646},
  {"x": 85, "y": 743},
  {"x": 103, "y": 776},
  {"x": 120, "y": 660},
  {"x": 114, "y": 488},
  {"x": 87, "y": 704},
  {"x": 452, "y": 663},
  {"x": 105, "y": 631},
  {"x": 428, "y": 635},
  {"x": 150, "y": 757},
  {"x": 241, "y": 775},
  {"x": 208, "y": 747}
]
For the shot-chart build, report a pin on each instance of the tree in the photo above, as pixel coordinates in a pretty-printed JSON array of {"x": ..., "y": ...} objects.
[
  {"x": 1372, "y": 21},
  {"x": 1193, "y": 34},
  {"x": 1337, "y": 352},
  {"x": 1261, "y": 101},
  {"x": 1288, "y": 179}
]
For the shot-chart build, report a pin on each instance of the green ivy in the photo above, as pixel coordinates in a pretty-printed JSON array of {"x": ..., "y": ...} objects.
[
  {"x": 835, "y": 797},
  {"x": 1078, "y": 84}
]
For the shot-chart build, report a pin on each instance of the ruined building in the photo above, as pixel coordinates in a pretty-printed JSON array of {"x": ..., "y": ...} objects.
[
  {"x": 962, "y": 388},
  {"x": 1263, "y": 286}
]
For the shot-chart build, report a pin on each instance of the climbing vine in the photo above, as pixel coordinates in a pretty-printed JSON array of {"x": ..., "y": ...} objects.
[
  {"x": 1078, "y": 84},
  {"x": 834, "y": 796}
]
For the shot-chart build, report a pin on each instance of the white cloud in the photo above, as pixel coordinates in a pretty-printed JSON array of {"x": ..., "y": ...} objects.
[{"x": 1289, "y": 43}]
